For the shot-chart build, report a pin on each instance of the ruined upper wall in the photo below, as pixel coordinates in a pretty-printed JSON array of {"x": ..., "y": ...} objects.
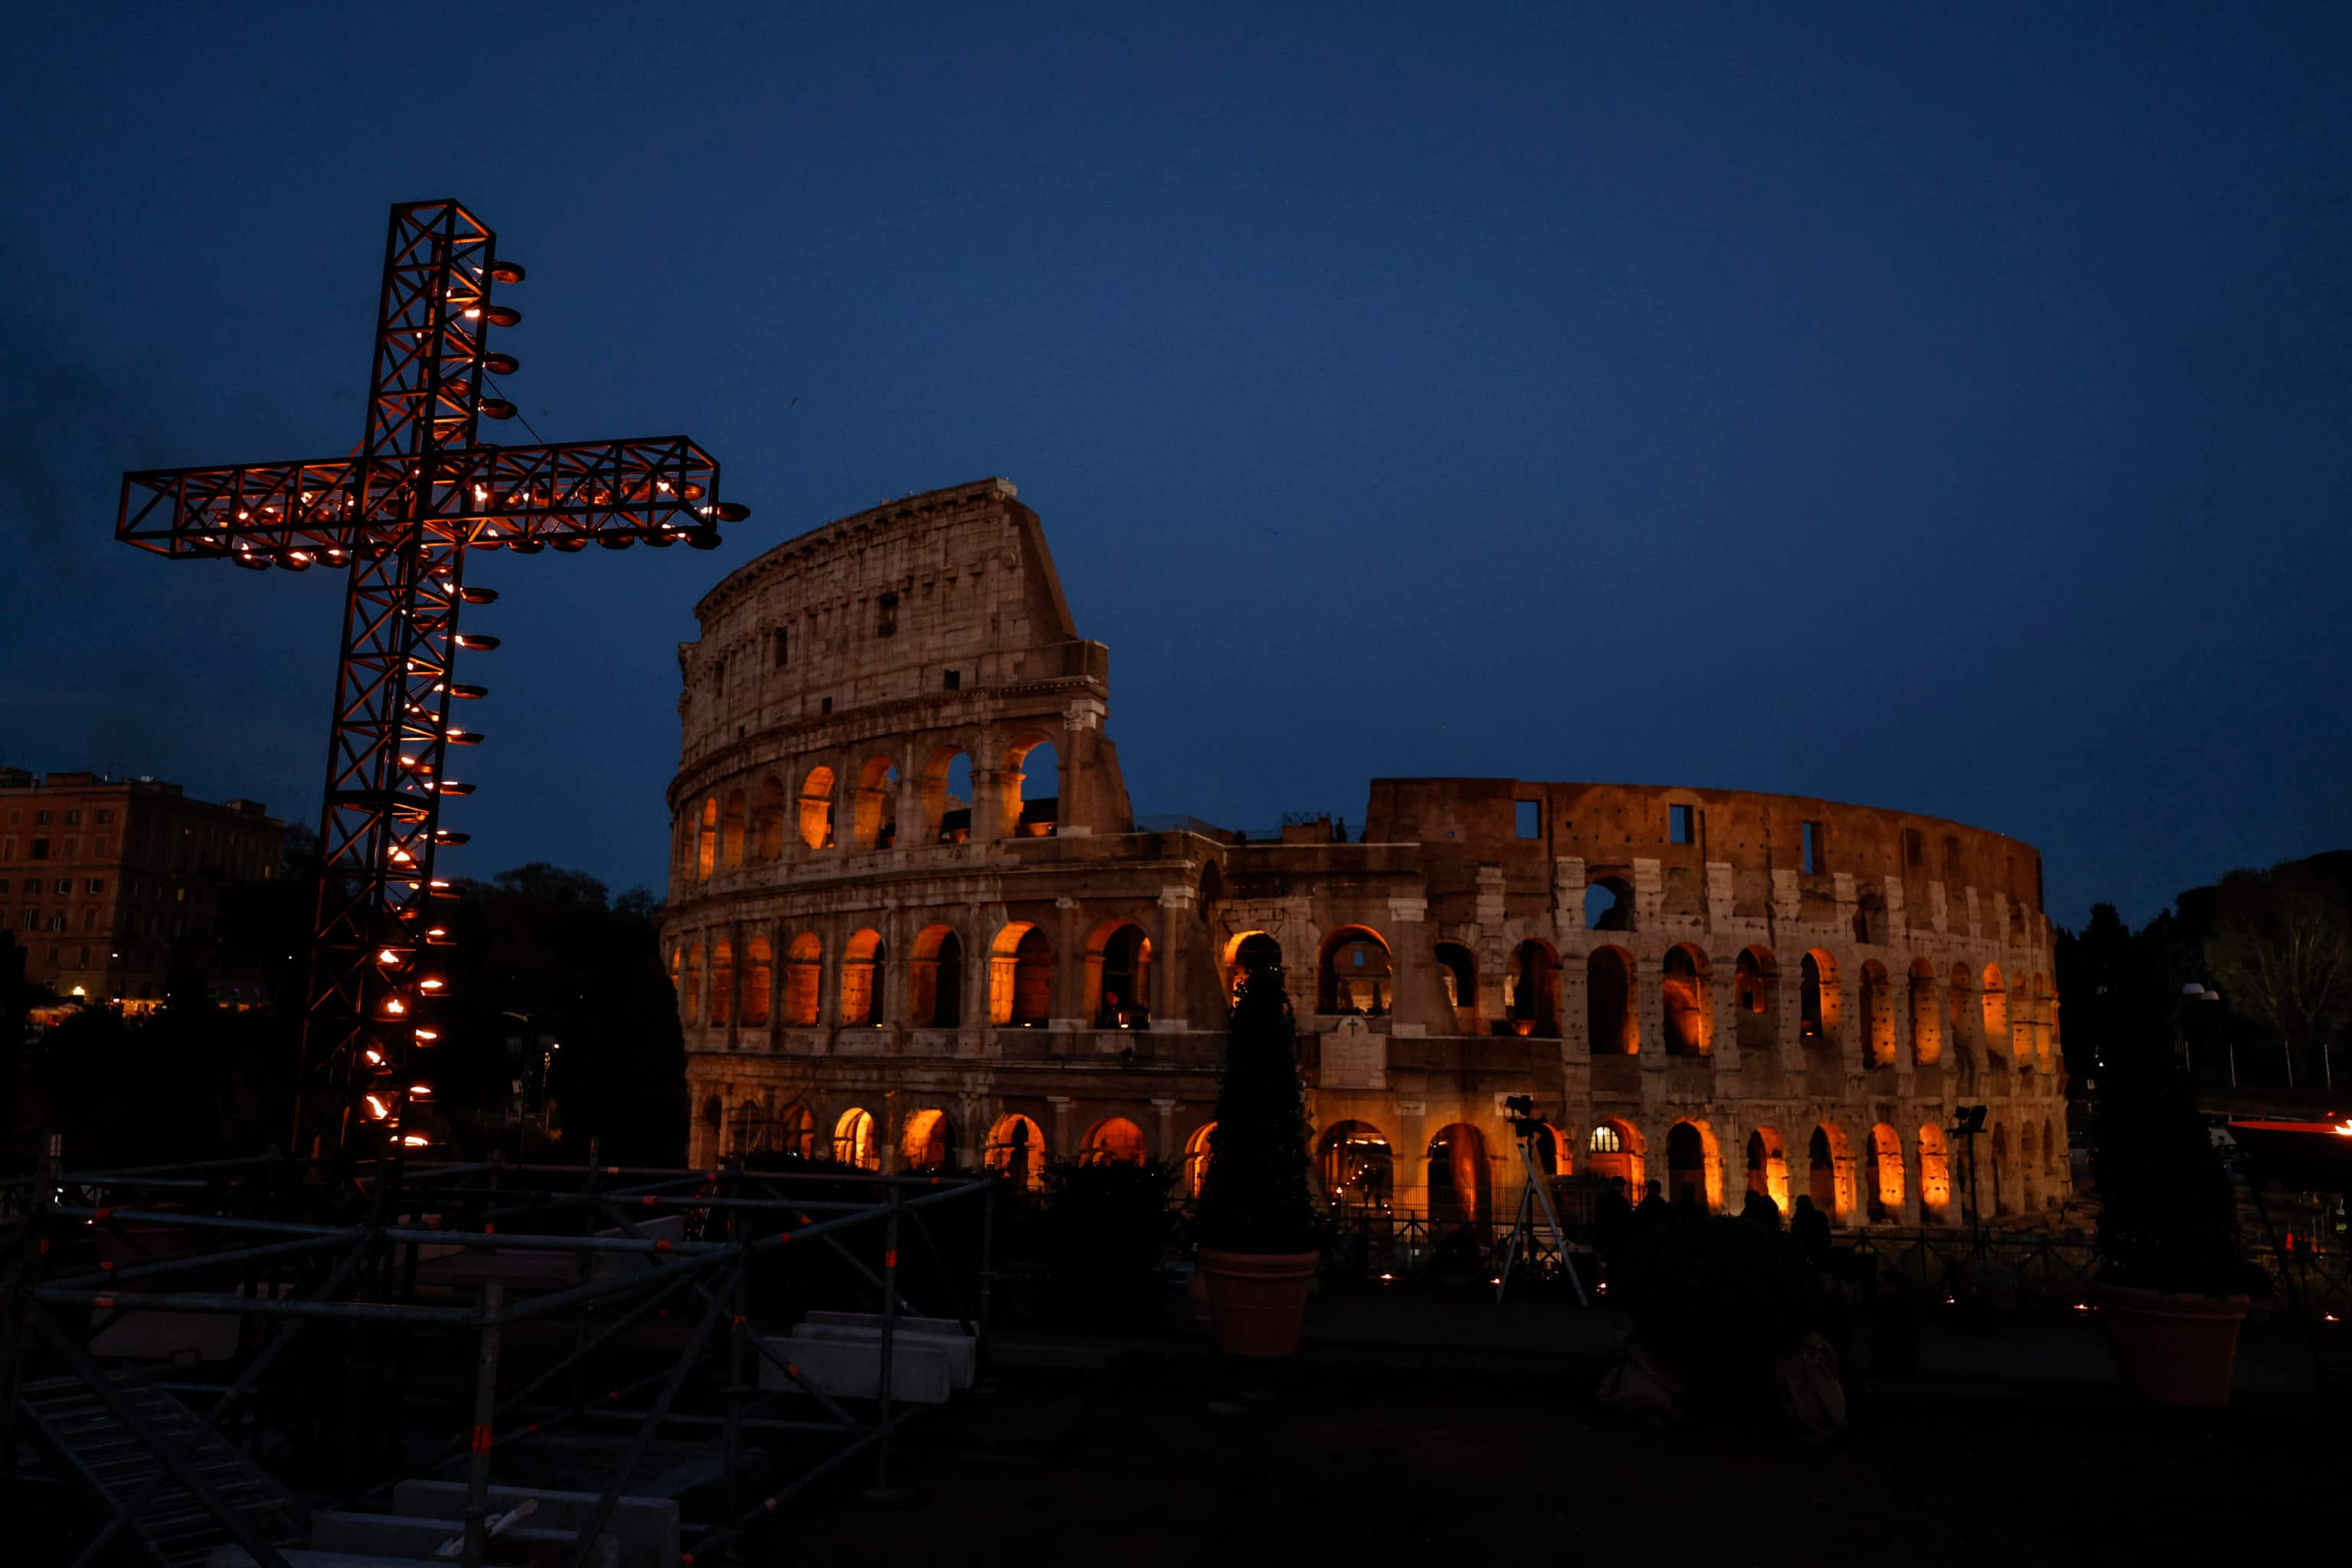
[
  {"x": 1464, "y": 823},
  {"x": 953, "y": 589}
]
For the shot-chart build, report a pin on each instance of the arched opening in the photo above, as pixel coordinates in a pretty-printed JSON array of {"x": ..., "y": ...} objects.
[
  {"x": 1996, "y": 1016},
  {"x": 796, "y": 1133},
  {"x": 1683, "y": 988},
  {"x": 1016, "y": 1152},
  {"x": 1756, "y": 1001},
  {"x": 1032, "y": 788},
  {"x": 1817, "y": 1005},
  {"x": 1610, "y": 1023},
  {"x": 861, "y": 968},
  {"x": 1457, "y": 979},
  {"x": 1877, "y": 1015},
  {"x": 1934, "y": 1174},
  {"x": 1196, "y": 1159},
  {"x": 927, "y": 1142},
  {"x": 767, "y": 821},
  {"x": 1926, "y": 1028},
  {"x": 935, "y": 980},
  {"x": 873, "y": 816},
  {"x": 1553, "y": 1157},
  {"x": 1831, "y": 1182},
  {"x": 1021, "y": 977},
  {"x": 730, "y": 830},
  {"x": 690, "y": 995},
  {"x": 853, "y": 1140},
  {"x": 722, "y": 981},
  {"x": 1116, "y": 1140},
  {"x": 946, "y": 798},
  {"x": 1884, "y": 1154},
  {"x": 1251, "y": 952},
  {"x": 1118, "y": 976},
  {"x": 816, "y": 809},
  {"x": 803, "y": 979},
  {"x": 1354, "y": 973},
  {"x": 1357, "y": 1165},
  {"x": 1768, "y": 1166},
  {"x": 1689, "y": 1159},
  {"x": 1531, "y": 990},
  {"x": 1870, "y": 925},
  {"x": 1613, "y": 1153},
  {"x": 1608, "y": 905},
  {"x": 758, "y": 980},
  {"x": 706, "y": 852},
  {"x": 1458, "y": 1177}
]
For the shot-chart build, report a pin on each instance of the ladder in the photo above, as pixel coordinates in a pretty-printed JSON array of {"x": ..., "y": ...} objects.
[{"x": 175, "y": 1529}]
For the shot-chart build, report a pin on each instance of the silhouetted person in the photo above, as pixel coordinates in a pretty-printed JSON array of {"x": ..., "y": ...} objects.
[
  {"x": 1760, "y": 1210},
  {"x": 1895, "y": 1328},
  {"x": 1811, "y": 1228},
  {"x": 1612, "y": 1225},
  {"x": 1687, "y": 1206},
  {"x": 1651, "y": 1212}
]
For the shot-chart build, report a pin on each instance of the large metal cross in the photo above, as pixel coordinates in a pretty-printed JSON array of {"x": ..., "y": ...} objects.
[{"x": 398, "y": 516}]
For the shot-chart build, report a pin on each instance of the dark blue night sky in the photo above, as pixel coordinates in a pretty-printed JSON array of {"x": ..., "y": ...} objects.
[{"x": 1945, "y": 413}]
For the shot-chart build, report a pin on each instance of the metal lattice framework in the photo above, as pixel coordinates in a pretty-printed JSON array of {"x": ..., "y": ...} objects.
[{"x": 398, "y": 516}]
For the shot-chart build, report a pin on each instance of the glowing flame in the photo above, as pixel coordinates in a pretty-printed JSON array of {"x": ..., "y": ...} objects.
[{"x": 377, "y": 1108}]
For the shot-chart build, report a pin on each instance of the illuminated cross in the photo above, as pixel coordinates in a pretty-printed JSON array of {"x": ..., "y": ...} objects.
[{"x": 399, "y": 516}]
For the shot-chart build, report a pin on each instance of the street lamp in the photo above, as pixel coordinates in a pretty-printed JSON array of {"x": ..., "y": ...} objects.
[{"x": 2192, "y": 994}]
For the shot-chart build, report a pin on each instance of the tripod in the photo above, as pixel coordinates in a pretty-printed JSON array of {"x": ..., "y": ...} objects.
[{"x": 1534, "y": 1196}]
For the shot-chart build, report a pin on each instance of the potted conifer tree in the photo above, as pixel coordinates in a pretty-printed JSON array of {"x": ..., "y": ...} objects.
[
  {"x": 2173, "y": 1272},
  {"x": 1258, "y": 1233}
]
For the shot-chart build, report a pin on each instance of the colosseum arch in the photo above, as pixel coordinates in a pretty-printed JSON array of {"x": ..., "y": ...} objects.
[
  {"x": 1818, "y": 1009},
  {"x": 1829, "y": 1160},
  {"x": 722, "y": 981},
  {"x": 1612, "y": 1152},
  {"x": 1460, "y": 1183},
  {"x": 1196, "y": 1159},
  {"x": 1021, "y": 977},
  {"x": 947, "y": 814},
  {"x": 1611, "y": 1026},
  {"x": 873, "y": 816},
  {"x": 1877, "y": 1015},
  {"x": 1354, "y": 972},
  {"x": 1030, "y": 803},
  {"x": 816, "y": 808},
  {"x": 853, "y": 1140},
  {"x": 861, "y": 976},
  {"x": 1115, "y": 1140},
  {"x": 1531, "y": 990},
  {"x": 1688, "y": 1002},
  {"x": 1927, "y": 1024},
  {"x": 927, "y": 1142},
  {"x": 1768, "y": 1165},
  {"x": 1119, "y": 975},
  {"x": 1693, "y": 1164},
  {"x": 732, "y": 825},
  {"x": 1249, "y": 952},
  {"x": 803, "y": 979},
  {"x": 1457, "y": 981},
  {"x": 1935, "y": 1176},
  {"x": 1883, "y": 1160},
  {"x": 1608, "y": 904},
  {"x": 759, "y": 980},
  {"x": 935, "y": 979},
  {"x": 768, "y": 820},
  {"x": 1016, "y": 1150},
  {"x": 1998, "y": 1046},
  {"x": 1357, "y": 1165},
  {"x": 706, "y": 852},
  {"x": 1756, "y": 999}
]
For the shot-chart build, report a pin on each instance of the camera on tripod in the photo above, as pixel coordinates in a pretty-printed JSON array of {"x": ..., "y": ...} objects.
[{"x": 1522, "y": 1109}]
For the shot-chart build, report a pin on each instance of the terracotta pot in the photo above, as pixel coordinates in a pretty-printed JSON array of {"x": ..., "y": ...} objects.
[
  {"x": 1196, "y": 1295},
  {"x": 1257, "y": 1300},
  {"x": 2172, "y": 1349}
]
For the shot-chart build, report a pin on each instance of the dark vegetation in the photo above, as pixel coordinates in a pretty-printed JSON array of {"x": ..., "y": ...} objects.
[{"x": 1255, "y": 1197}]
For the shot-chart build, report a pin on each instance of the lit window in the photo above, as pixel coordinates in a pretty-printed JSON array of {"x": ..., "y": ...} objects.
[{"x": 1604, "y": 1141}]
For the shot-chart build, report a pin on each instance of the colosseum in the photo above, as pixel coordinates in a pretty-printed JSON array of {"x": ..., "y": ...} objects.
[{"x": 913, "y": 922}]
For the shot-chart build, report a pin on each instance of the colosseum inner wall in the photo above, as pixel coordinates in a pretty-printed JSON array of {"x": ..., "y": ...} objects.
[{"x": 898, "y": 936}]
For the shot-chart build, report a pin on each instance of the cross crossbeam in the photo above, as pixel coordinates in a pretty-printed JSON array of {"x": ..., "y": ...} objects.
[{"x": 398, "y": 516}]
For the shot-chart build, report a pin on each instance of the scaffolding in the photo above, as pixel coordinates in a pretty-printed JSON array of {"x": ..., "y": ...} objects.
[{"x": 612, "y": 1305}]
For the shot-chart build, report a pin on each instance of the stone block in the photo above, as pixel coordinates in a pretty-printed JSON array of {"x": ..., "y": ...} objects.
[
  {"x": 958, "y": 1346},
  {"x": 851, "y": 1369}
]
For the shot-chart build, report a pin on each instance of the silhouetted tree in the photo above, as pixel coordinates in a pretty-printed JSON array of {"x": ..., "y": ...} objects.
[{"x": 2282, "y": 954}]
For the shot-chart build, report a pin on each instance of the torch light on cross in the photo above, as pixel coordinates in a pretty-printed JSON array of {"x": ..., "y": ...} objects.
[{"x": 397, "y": 518}]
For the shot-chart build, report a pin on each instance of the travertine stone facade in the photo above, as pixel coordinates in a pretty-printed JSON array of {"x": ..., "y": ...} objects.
[{"x": 886, "y": 954}]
